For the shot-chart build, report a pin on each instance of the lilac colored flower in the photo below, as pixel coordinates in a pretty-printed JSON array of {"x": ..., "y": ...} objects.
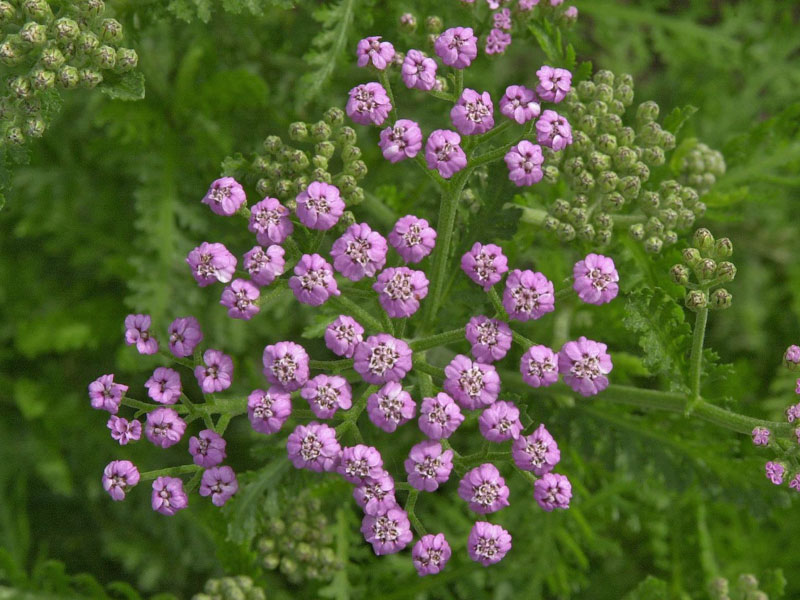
[
  {"x": 265, "y": 266},
  {"x": 443, "y": 152},
  {"x": 584, "y": 365},
  {"x": 225, "y": 196},
  {"x": 211, "y": 263},
  {"x": 217, "y": 374},
  {"x": 371, "y": 49},
  {"x": 219, "y": 483},
  {"x": 528, "y": 295},
  {"x": 382, "y": 358},
  {"x": 164, "y": 385},
  {"x": 439, "y": 416},
  {"x": 105, "y": 394},
  {"x": 286, "y": 365},
  {"x": 571, "y": 13},
  {"x": 428, "y": 466},
  {"x": 241, "y": 299},
  {"x": 375, "y": 496},
  {"x": 313, "y": 281},
  {"x": 497, "y": 41},
  {"x": 795, "y": 482},
  {"x": 137, "y": 331},
  {"x": 319, "y": 206},
  {"x": 184, "y": 335},
  {"x": 390, "y": 407},
  {"x": 399, "y": 291},
  {"x": 471, "y": 384},
  {"x": 553, "y": 131},
  {"x": 537, "y": 452},
  {"x": 269, "y": 220},
  {"x": 314, "y": 447},
  {"x": 524, "y": 162},
  {"x": 539, "y": 366},
  {"x": 473, "y": 113},
  {"x": 487, "y": 543},
  {"x": 519, "y": 104},
  {"x": 119, "y": 477},
  {"x": 164, "y": 427},
  {"x": 419, "y": 71},
  {"x": 388, "y": 533},
  {"x": 526, "y": 5},
  {"x": 403, "y": 140},
  {"x": 552, "y": 491},
  {"x": 360, "y": 252},
  {"x": 124, "y": 431},
  {"x": 207, "y": 449},
  {"x": 268, "y": 410},
  {"x": 775, "y": 472},
  {"x": 484, "y": 488},
  {"x": 791, "y": 357},
  {"x": 556, "y": 2},
  {"x": 168, "y": 496},
  {"x": 368, "y": 104},
  {"x": 457, "y": 47},
  {"x": 793, "y": 413},
  {"x": 760, "y": 436},
  {"x": 502, "y": 19},
  {"x": 357, "y": 463},
  {"x": 326, "y": 394},
  {"x": 797, "y": 386},
  {"x": 484, "y": 264},
  {"x": 554, "y": 84},
  {"x": 490, "y": 338},
  {"x": 343, "y": 335},
  {"x": 596, "y": 279},
  {"x": 430, "y": 554},
  {"x": 413, "y": 238},
  {"x": 500, "y": 422}
]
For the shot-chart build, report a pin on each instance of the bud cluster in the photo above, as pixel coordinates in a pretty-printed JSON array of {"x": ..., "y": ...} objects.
[
  {"x": 230, "y": 588},
  {"x": 298, "y": 541},
  {"x": 701, "y": 167},
  {"x": 706, "y": 260},
  {"x": 40, "y": 52},
  {"x": 746, "y": 588}
]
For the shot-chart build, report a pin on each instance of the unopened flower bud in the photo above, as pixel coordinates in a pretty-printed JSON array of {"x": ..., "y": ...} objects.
[
  {"x": 726, "y": 271},
  {"x": 346, "y": 136},
  {"x": 613, "y": 201},
  {"x": 629, "y": 187},
  {"x": 689, "y": 196},
  {"x": 720, "y": 299},
  {"x": 35, "y": 128},
  {"x": 320, "y": 131},
  {"x": 637, "y": 231},
  {"x": 574, "y": 165},
  {"x": 92, "y": 8},
  {"x": 649, "y": 134},
  {"x": 300, "y": 184},
  {"x": 679, "y": 274},
  {"x": 626, "y": 136},
  {"x": 356, "y": 168},
  {"x": 408, "y": 22},
  {"x": 14, "y": 136},
  {"x": 68, "y": 77},
  {"x": 11, "y": 53},
  {"x": 38, "y": 10},
  {"x": 550, "y": 174},
  {"x": 654, "y": 226},
  {"x": 624, "y": 93},
  {"x": 320, "y": 174},
  {"x": 685, "y": 219},
  {"x": 718, "y": 588},
  {"x": 88, "y": 42},
  {"x": 20, "y": 86},
  {"x": 565, "y": 232},
  {"x": 266, "y": 545},
  {"x": 588, "y": 123},
  {"x": 641, "y": 171},
  {"x": 607, "y": 181},
  {"x": 647, "y": 112},
  {"x": 350, "y": 154},
  {"x": 586, "y": 232},
  {"x": 624, "y": 157},
  {"x": 560, "y": 208},
  {"x": 747, "y": 583},
  {"x": 703, "y": 240},
  {"x": 705, "y": 269},
  {"x": 603, "y": 236},
  {"x": 666, "y": 140},
  {"x": 433, "y": 24},
  {"x": 283, "y": 188},
  {"x": 334, "y": 116},
  {"x": 90, "y": 78},
  {"x": 695, "y": 300},
  {"x": 604, "y": 76},
  {"x": 319, "y": 162},
  {"x": 606, "y": 143},
  {"x": 578, "y": 216},
  {"x": 598, "y": 108},
  {"x": 105, "y": 57},
  {"x": 111, "y": 30},
  {"x": 603, "y": 220},
  {"x": 33, "y": 33},
  {"x": 599, "y": 162},
  {"x": 52, "y": 58},
  {"x": 355, "y": 197},
  {"x": 723, "y": 248},
  {"x": 298, "y": 131},
  {"x": 7, "y": 12},
  {"x": 326, "y": 149},
  {"x": 654, "y": 156},
  {"x": 668, "y": 216},
  {"x": 584, "y": 181},
  {"x": 581, "y": 201},
  {"x": 699, "y": 209},
  {"x": 264, "y": 187},
  {"x": 653, "y": 244},
  {"x": 691, "y": 257},
  {"x": 603, "y": 92},
  {"x": 550, "y": 223},
  {"x": 66, "y": 29},
  {"x": 581, "y": 142},
  {"x": 586, "y": 91},
  {"x": 649, "y": 201}
]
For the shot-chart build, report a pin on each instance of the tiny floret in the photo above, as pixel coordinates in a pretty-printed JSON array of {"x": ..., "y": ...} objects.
[
  {"x": 124, "y": 431},
  {"x": 400, "y": 290},
  {"x": 412, "y": 238},
  {"x": 473, "y": 113},
  {"x": 775, "y": 472},
  {"x": 443, "y": 152},
  {"x": 269, "y": 220},
  {"x": 219, "y": 483},
  {"x": 439, "y": 416},
  {"x": 360, "y": 462},
  {"x": 264, "y": 266},
  {"x": 539, "y": 366},
  {"x": 584, "y": 364},
  {"x": 524, "y": 162},
  {"x": 596, "y": 279},
  {"x": 528, "y": 295},
  {"x": 497, "y": 41},
  {"x": 457, "y": 47},
  {"x": 490, "y": 338},
  {"x": 216, "y": 373},
  {"x": 373, "y": 50},
  {"x": 360, "y": 252},
  {"x": 428, "y": 466},
  {"x": 343, "y": 335},
  {"x": 537, "y": 452},
  {"x": 552, "y": 491},
  {"x": 401, "y": 141},
  {"x": 164, "y": 385},
  {"x": 368, "y": 104},
  {"x": 286, "y": 365},
  {"x": 471, "y": 384},
  {"x": 419, "y": 71},
  {"x": 500, "y": 422},
  {"x": 313, "y": 281},
  {"x": 519, "y": 104},
  {"x": 184, "y": 335},
  {"x": 164, "y": 427},
  {"x": 484, "y": 489},
  {"x": 105, "y": 394},
  {"x": 119, "y": 477},
  {"x": 382, "y": 358},
  {"x": 488, "y": 544},
  {"x": 484, "y": 264},
  {"x": 388, "y": 533},
  {"x": 760, "y": 436},
  {"x": 553, "y": 131},
  {"x": 390, "y": 407},
  {"x": 268, "y": 410},
  {"x": 314, "y": 447},
  {"x": 137, "y": 331},
  {"x": 554, "y": 84},
  {"x": 168, "y": 496},
  {"x": 225, "y": 196},
  {"x": 319, "y": 206},
  {"x": 375, "y": 496},
  {"x": 430, "y": 554},
  {"x": 326, "y": 394},
  {"x": 207, "y": 448},
  {"x": 211, "y": 263}
]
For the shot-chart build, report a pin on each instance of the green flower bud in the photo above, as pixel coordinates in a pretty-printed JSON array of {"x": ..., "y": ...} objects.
[
  {"x": 613, "y": 201},
  {"x": 588, "y": 123},
  {"x": 695, "y": 300},
  {"x": 647, "y": 112},
  {"x": 105, "y": 57},
  {"x": 718, "y": 588},
  {"x": 38, "y": 10},
  {"x": 629, "y": 187},
  {"x": 283, "y": 188},
  {"x": 110, "y": 30},
  {"x": 52, "y": 58},
  {"x": 691, "y": 257},
  {"x": 666, "y": 140},
  {"x": 319, "y": 162},
  {"x": 66, "y": 29},
  {"x": 637, "y": 231},
  {"x": 679, "y": 274},
  {"x": 689, "y": 196},
  {"x": 346, "y": 136},
  {"x": 320, "y": 131},
  {"x": 90, "y": 78},
  {"x": 298, "y": 131},
  {"x": 670, "y": 238},
  {"x": 624, "y": 157},
  {"x": 433, "y": 24},
  {"x": 33, "y": 33},
  {"x": 408, "y": 22},
  {"x": 244, "y": 582},
  {"x": 14, "y": 136},
  {"x": 669, "y": 216},
  {"x": 584, "y": 181},
  {"x": 625, "y": 79},
  {"x": 271, "y": 561},
  {"x": 599, "y": 161},
  {"x": 300, "y": 184},
  {"x": 649, "y": 201},
  {"x": 586, "y": 232},
  {"x": 586, "y": 91},
  {"x": 654, "y": 156},
  {"x": 578, "y": 109},
  {"x": 705, "y": 269},
  {"x": 550, "y": 223},
  {"x": 721, "y": 299},
  {"x": 213, "y": 586},
  {"x": 674, "y": 202},
  {"x": 726, "y": 271},
  {"x": 304, "y": 552},
  {"x": 350, "y": 153},
  {"x": 92, "y": 8},
  {"x": 603, "y": 92},
  {"x": 607, "y": 181},
  {"x": 347, "y": 219},
  {"x": 560, "y": 208},
  {"x": 757, "y": 595},
  {"x": 624, "y": 93},
  {"x": 326, "y": 149},
  {"x": 20, "y": 86},
  {"x": 616, "y": 108},
  {"x": 264, "y": 187},
  {"x": 598, "y": 108},
  {"x": 699, "y": 209},
  {"x": 653, "y": 245},
  {"x": 334, "y": 116},
  {"x": 550, "y": 174},
  {"x": 580, "y": 201},
  {"x": 578, "y": 216},
  {"x": 35, "y": 128},
  {"x": 7, "y": 12},
  {"x": 654, "y": 226},
  {"x": 11, "y": 53},
  {"x": 603, "y": 220},
  {"x": 88, "y": 42},
  {"x": 320, "y": 174},
  {"x": 649, "y": 134},
  {"x": 604, "y": 76},
  {"x": 68, "y": 77},
  {"x": 276, "y": 170},
  {"x": 356, "y": 197},
  {"x": 626, "y": 136},
  {"x": 356, "y": 168},
  {"x": 723, "y": 248},
  {"x": 266, "y": 545},
  {"x": 298, "y": 160},
  {"x": 273, "y": 144},
  {"x": 261, "y": 165},
  {"x": 641, "y": 171},
  {"x": 685, "y": 219},
  {"x": 565, "y": 232},
  {"x": 606, "y": 143},
  {"x": 603, "y": 236},
  {"x": 346, "y": 183},
  {"x": 574, "y": 165},
  {"x": 703, "y": 240}
]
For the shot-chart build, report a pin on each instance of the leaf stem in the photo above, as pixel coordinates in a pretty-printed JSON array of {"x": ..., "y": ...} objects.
[
  {"x": 440, "y": 339},
  {"x": 169, "y": 472},
  {"x": 696, "y": 358}
]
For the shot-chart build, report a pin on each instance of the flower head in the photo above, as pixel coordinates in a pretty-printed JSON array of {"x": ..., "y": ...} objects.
[
  {"x": 554, "y": 84},
  {"x": 124, "y": 431},
  {"x": 105, "y": 394},
  {"x": 553, "y": 131},
  {"x": 524, "y": 162},
  {"x": 791, "y": 358},
  {"x": 207, "y": 449},
  {"x": 439, "y": 416},
  {"x": 286, "y": 365},
  {"x": 268, "y": 410},
  {"x": 537, "y": 452},
  {"x": 473, "y": 113},
  {"x": 375, "y": 496},
  {"x": 119, "y": 477},
  {"x": 164, "y": 427},
  {"x": 484, "y": 488},
  {"x": 217, "y": 374},
  {"x": 471, "y": 384},
  {"x": 382, "y": 358},
  {"x": 211, "y": 263},
  {"x": 457, "y": 47},
  {"x": 164, "y": 385},
  {"x": 497, "y": 41},
  {"x": 428, "y": 465},
  {"x": 500, "y": 422},
  {"x": 596, "y": 279},
  {"x": 430, "y": 554},
  {"x": 357, "y": 463},
  {"x": 184, "y": 335},
  {"x": 360, "y": 252},
  {"x": 372, "y": 49},
  {"x": 168, "y": 496},
  {"x": 502, "y": 19},
  {"x": 760, "y": 436},
  {"x": 443, "y": 152},
  {"x": 319, "y": 206},
  {"x": 487, "y": 543},
  {"x": 528, "y": 295},
  {"x": 484, "y": 264},
  {"x": 400, "y": 289},
  {"x": 390, "y": 407},
  {"x": 269, "y": 220},
  {"x": 225, "y": 196},
  {"x": 552, "y": 491},
  {"x": 137, "y": 331},
  {"x": 219, "y": 483},
  {"x": 368, "y": 104},
  {"x": 388, "y": 533},
  {"x": 775, "y": 472},
  {"x": 314, "y": 447},
  {"x": 326, "y": 394},
  {"x": 401, "y": 141},
  {"x": 519, "y": 103},
  {"x": 343, "y": 335},
  {"x": 539, "y": 366},
  {"x": 264, "y": 266},
  {"x": 795, "y": 483},
  {"x": 413, "y": 238},
  {"x": 313, "y": 281},
  {"x": 584, "y": 365},
  {"x": 419, "y": 71},
  {"x": 490, "y": 338}
]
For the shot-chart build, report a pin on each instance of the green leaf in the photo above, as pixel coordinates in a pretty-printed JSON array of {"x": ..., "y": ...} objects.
[
  {"x": 583, "y": 72},
  {"x": 650, "y": 589},
  {"x": 546, "y": 43},
  {"x": 31, "y": 398},
  {"x": 244, "y": 509},
  {"x": 128, "y": 87},
  {"x": 676, "y": 119}
]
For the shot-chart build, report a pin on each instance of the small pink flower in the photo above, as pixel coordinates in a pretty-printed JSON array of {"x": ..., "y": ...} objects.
[
  {"x": 360, "y": 252},
  {"x": 124, "y": 431},
  {"x": 552, "y": 491},
  {"x": 105, "y": 394},
  {"x": 497, "y": 41},
  {"x": 207, "y": 449},
  {"x": 217, "y": 374},
  {"x": 553, "y": 131},
  {"x": 537, "y": 452},
  {"x": 137, "y": 331},
  {"x": 269, "y": 220},
  {"x": 554, "y": 84},
  {"x": 400, "y": 290},
  {"x": 211, "y": 263},
  {"x": 371, "y": 49},
  {"x": 419, "y": 71},
  {"x": 471, "y": 384},
  {"x": 430, "y": 554},
  {"x": 219, "y": 483},
  {"x": 168, "y": 496},
  {"x": 313, "y": 281},
  {"x": 490, "y": 338},
  {"x": 473, "y": 113},
  {"x": 225, "y": 196},
  {"x": 319, "y": 206},
  {"x": 500, "y": 422},
  {"x": 241, "y": 299},
  {"x": 401, "y": 141},
  {"x": 760, "y": 436},
  {"x": 484, "y": 489},
  {"x": 184, "y": 335},
  {"x": 457, "y": 47},
  {"x": 390, "y": 407},
  {"x": 502, "y": 19},
  {"x": 326, "y": 394},
  {"x": 164, "y": 386},
  {"x": 388, "y": 533},
  {"x": 382, "y": 358},
  {"x": 375, "y": 496},
  {"x": 343, "y": 335},
  {"x": 484, "y": 264},
  {"x": 488, "y": 544},
  {"x": 443, "y": 152},
  {"x": 286, "y": 365},
  {"x": 265, "y": 266},
  {"x": 119, "y": 477},
  {"x": 524, "y": 162},
  {"x": 775, "y": 472},
  {"x": 268, "y": 411},
  {"x": 413, "y": 238},
  {"x": 368, "y": 104},
  {"x": 314, "y": 447},
  {"x": 519, "y": 104},
  {"x": 539, "y": 366},
  {"x": 428, "y": 466},
  {"x": 596, "y": 279},
  {"x": 585, "y": 365},
  {"x": 360, "y": 462},
  {"x": 439, "y": 416},
  {"x": 164, "y": 427},
  {"x": 528, "y": 295}
]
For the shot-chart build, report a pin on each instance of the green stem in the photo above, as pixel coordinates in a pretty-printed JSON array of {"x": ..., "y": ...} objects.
[
  {"x": 421, "y": 365},
  {"x": 345, "y": 304},
  {"x": 497, "y": 303},
  {"x": 181, "y": 361},
  {"x": 696, "y": 358},
  {"x": 144, "y": 406},
  {"x": 434, "y": 175},
  {"x": 332, "y": 365},
  {"x": 411, "y": 502},
  {"x": 169, "y": 472},
  {"x": 384, "y": 78},
  {"x": 459, "y": 84},
  {"x": 520, "y": 340},
  {"x": 440, "y": 339},
  {"x": 536, "y": 216},
  {"x": 492, "y": 133}
]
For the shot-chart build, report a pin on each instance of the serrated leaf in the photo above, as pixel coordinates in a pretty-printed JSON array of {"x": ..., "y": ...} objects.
[
  {"x": 583, "y": 72},
  {"x": 546, "y": 43},
  {"x": 676, "y": 119},
  {"x": 128, "y": 87},
  {"x": 243, "y": 510},
  {"x": 569, "y": 58}
]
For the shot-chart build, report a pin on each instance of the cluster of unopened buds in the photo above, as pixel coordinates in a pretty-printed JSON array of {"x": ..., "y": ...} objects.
[{"x": 706, "y": 261}]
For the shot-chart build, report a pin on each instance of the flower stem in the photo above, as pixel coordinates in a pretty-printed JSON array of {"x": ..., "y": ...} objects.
[
  {"x": 384, "y": 77},
  {"x": 420, "y": 364},
  {"x": 459, "y": 77},
  {"x": 440, "y": 339},
  {"x": 497, "y": 303},
  {"x": 411, "y": 502},
  {"x": 332, "y": 365},
  {"x": 169, "y": 472},
  {"x": 696, "y": 358},
  {"x": 345, "y": 304}
]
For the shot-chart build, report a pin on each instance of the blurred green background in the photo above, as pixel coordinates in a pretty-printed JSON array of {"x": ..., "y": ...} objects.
[{"x": 98, "y": 222}]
